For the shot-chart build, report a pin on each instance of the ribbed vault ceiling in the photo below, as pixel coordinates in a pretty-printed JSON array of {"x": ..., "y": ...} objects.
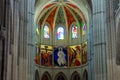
[{"x": 61, "y": 12}]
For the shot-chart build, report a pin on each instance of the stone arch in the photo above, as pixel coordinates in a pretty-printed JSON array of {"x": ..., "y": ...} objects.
[
  {"x": 44, "y": 40},
  {"x": 85, "y": 75},
  {"x": 46, "y": 76},
  {"x": 37, "y": 75},
  {"x": 118, "y": 44},
  {"x": 60, "y": 76},
  {"x": 75, "y": 76},
  {"x": 36, "y": 1},
  {"x": 90, "y": 3},
  {"x": 41, "y": 7}
]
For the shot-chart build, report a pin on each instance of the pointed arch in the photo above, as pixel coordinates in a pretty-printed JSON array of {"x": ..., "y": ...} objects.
[
  {"x": 37, "y": 75},
  {"x": 84, "y": 28},
  {"x": 60, "y": 76},
  {"x": 46, "y": 31},
  {"x": 60, "y": 33},
  {"x": 85, "y": 75},
  {"x": 75, "y": 76},
  {"x": 74, "y": 30},
  {"x": 118, "y": 44},
  {"x": 46, "y": 76}
]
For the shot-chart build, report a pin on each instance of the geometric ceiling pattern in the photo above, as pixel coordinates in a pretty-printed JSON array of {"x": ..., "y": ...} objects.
[{"x": 61, "y": 11}]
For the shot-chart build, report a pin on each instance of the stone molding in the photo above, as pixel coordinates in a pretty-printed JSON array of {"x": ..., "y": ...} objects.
[{"x": 2, "y": 33}]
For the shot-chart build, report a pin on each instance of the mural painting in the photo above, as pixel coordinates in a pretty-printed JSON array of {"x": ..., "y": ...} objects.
[
  {"x": 60, "y": 56},
  {"x": 46, "y": 55},
  {"x": 84, "y": 52},
  {"x": 74, "y": 55},
  {"x": 37, "y": 57}
]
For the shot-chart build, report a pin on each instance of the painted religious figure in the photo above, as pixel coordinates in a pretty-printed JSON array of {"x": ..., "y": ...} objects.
[
  {"x": 60, "y": 33},
  {"x": 74, "y": 56},
  {"x": 60, "y": 56},
  {"x": 74, "y": 32},
  {"x": 46, "y": 32},
  {"x": 37, "y": 58},
  {"x": 46, "y": 55},
  {"x": 84, "y": 53}
]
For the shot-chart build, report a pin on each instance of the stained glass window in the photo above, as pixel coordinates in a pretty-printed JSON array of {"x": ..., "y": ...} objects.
[
  {"x": 46, "y": 32},
  {"x": 60, "y": 33},
  {"x": 74, "y": 32},
  {"x": 84, "y": 28}
]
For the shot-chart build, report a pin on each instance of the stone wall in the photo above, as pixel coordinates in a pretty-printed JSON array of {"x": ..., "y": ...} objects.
[
  {"x": 67, "y": 71},
  {"x": 16, "y": 22},
  {"x": 112, "y": 20}
]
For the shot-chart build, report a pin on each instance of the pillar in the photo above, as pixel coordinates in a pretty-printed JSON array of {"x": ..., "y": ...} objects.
[
  {"x": 22, "y": 50},
  {"x": 111, "y": 50},
  {"x": 99, "y": 36},
  {"x": 91, "y": 53},
  {"x": 31, "y": 40},
  {"x": 2, "y": 39}
]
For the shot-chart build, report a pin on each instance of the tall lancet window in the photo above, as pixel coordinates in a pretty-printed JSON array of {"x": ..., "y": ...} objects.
[
  {"x": 46, "y": 32},
  {"x": 74, "y": 32},
  {"x": 84, "y": 28},
  {"x": 60, "y": 33}
]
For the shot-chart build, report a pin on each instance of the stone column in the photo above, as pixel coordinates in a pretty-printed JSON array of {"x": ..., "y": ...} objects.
[
  {"x": 31, "y": 38},
  {"x": 14, "y": 41},
  {"x": 22, "y": 53},
  {"x": 99, "y": 35},
  {"x": 10, "y": 38},
  {"x": 2, "y": 38},
  {"x": 117, "y": 58},
  {"x": 111, "y": 5},
  {"x": 91, "y": 53}
]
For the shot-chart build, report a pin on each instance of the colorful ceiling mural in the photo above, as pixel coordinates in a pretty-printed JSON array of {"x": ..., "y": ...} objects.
[
  {"x": 51, "y": 17},
  {"x": 70, "y": 17},
  {"x": 60, "y": 16},
  {"x": 49, "y": 5},
  {"x": 44, "y": 16},
  {"x": 74, "y": 6},
  {"x": 61, "y": 13},
  {"x": 64, "y": 17}
]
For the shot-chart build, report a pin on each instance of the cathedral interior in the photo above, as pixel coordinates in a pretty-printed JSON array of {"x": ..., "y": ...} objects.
[{"x": 59, "y": 39}]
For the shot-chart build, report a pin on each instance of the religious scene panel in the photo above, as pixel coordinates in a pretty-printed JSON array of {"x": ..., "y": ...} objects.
[
  {"x": 60, "y": 56},
  {"x": 74, "y": 55},
  {"x": 84, "y": 53},
  {"x": 46, "y": 55}
]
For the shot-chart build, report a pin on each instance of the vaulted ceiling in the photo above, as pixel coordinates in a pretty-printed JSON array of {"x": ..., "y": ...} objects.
[{"x": 61, "y": 12}]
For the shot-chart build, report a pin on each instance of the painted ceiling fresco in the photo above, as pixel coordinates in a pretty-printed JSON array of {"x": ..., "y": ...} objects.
[
  {"x": 74, "y": 6},
  {"x": 51, "y": 17},
  {"x": 60, "y": 19},
  {"x": 49, "y": 5},
  {"x": 69, "y": 15},
  {"x": 61, "y": 13},
  {"x": 44, "y": 16}
]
